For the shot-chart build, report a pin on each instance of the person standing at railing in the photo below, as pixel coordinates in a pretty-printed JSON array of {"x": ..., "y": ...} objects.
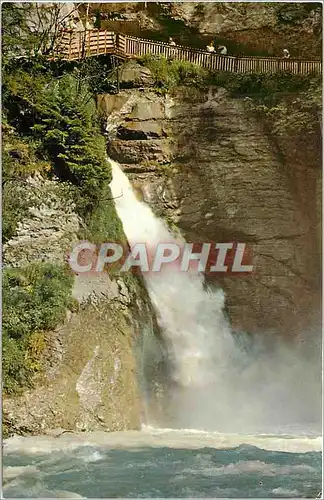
[
  {"x": 89, "y": 26},
  {"x": 72, "y": 25},
  {"x": 222, "y": 50},
  {"x": 210, "y": 48},
  {"x": 286, "y": 54},
  {"x": 173, "y": 44},
  {"x": 97, "y": 20}
]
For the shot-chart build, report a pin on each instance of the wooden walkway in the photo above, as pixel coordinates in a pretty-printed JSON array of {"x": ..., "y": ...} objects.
[{"x": 77, "y": 45}]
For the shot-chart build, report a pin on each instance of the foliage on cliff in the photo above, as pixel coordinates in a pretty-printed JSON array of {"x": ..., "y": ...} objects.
[
  {"x": 299, "y": 114},
  {"x": 35, "y": 300},
  {"x": 294, "y": 113},
  {"x": 59, "y": 116},
  {"x": 169, "y": 73},
  {"x": 50, "y": 126}
]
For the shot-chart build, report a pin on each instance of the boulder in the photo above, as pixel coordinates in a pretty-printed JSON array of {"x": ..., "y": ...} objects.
[
  {"x": 146, "y": 109},
  {"x": 132, "y": 75},
  {"x": 140, "y": 130}
]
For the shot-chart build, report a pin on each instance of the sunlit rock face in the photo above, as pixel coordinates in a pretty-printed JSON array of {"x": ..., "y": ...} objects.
[
  {"x": 247, "y": 28},
  {"x": 217, "y": 175},
  {"x": 253, "y": 26},
  {"x": 91, "y": 377}
]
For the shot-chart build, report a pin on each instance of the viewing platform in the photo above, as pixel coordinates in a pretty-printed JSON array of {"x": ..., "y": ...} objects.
[{"x": 76, "y": 45}]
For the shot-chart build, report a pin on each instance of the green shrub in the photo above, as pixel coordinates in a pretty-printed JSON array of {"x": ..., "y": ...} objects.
[
  {"x": 71, "y": 137},
  {"x": 35, "y": 299},
  {"x": 260, "y": 84},
  {"x": 169, "y": 73}
]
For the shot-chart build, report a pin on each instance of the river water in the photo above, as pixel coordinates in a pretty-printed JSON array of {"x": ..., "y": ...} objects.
[{"x": 155, "y": 463}]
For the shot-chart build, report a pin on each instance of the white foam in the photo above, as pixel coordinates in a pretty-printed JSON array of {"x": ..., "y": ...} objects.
[
  {"x": 133, "y": 440},
  {"x": 252, "y": 467},
  {"x": 11, "y": 472},
  {"x": 285, "y": 492}
]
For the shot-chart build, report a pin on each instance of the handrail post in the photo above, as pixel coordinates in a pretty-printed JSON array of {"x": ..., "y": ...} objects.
[
  {"x": 70, "y": 43},
  {"x": 80, "y": 45},
  {"x": 89, "y": 36}
]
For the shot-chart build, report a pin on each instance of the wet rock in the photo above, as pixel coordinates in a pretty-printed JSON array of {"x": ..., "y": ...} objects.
[
  {"x": 94, "y": 288},
  {"x": 124, "y": 295},
  {"x": 132, "y": 130},
  {"x": 93, "y": 385},
  {"x": 133, "y": 75},
  {"x": 146, "y": 109},
  {"x": 233, "y": 187},
  {"x": 139, "y": 151}
]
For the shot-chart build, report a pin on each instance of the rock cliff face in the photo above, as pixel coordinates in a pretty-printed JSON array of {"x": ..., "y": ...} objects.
[
  {"x": 267, "y": 27},
  {"x": 208, "y": 165},
  {"x": 89, "y": 376},
  {"x": 249, "y": 28},
  {"x": 90, "y": 379},
  {"x": 50, "y": 227}
]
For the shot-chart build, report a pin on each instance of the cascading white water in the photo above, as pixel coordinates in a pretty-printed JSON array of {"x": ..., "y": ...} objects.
[
  {"x": 213, "y": 385},
  {"x": 191, "y": 317}
]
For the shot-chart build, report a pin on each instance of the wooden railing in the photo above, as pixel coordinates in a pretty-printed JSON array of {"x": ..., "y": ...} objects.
[{"x": 76, "y": 45}]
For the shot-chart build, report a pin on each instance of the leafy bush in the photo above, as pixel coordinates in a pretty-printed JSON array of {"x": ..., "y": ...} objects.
[
  {"x": 71, "y": 137},
  {"x": 293, "y": 115},
  {"x": 260, "y": 84},
  {"x": 35, "y": 300},
  {"x": 169, "y": 73}
]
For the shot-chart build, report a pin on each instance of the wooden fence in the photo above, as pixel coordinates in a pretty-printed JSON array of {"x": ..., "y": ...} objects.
[{"x": 76, "y": 45}]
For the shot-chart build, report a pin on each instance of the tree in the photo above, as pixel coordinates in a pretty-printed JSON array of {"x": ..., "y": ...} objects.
[{"x": 31, "y": 29}]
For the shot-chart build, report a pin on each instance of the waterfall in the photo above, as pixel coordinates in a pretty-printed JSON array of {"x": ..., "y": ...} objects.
[
  {"x": 212, "y": 384},
  {"x": 191, "y": 317}
]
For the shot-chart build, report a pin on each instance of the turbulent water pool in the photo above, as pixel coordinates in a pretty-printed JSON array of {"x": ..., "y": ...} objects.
[{"x": 162, "y": 463}]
